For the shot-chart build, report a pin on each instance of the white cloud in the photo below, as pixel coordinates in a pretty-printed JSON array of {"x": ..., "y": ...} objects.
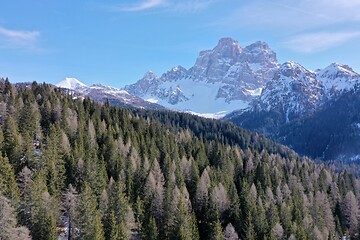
[
  {"x": 19, "y": 39},
  {"x": 316, "y": 42},
  {"x": 300, "y": 14},
  {"x": 182, "y": 6},
  {"x": 17, "y": 36},
  {"x": 144, "y": 5},
  {"x": 191, "y": 6}
]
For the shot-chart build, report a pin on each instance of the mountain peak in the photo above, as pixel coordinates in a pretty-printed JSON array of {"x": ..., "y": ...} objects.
[
  {"x": 337, "y": 77},
  {"x": 339, "y": 67},
  {"x": 258, "y": 45},
  {"x": 178, "y": 69},
  {"x": 228, "y": 47},
  {"x": 227, "y": 41},
  {"x": 70, "y": 83},
  {"x": 150, "y": 75},
  {"x": 290, "y": 64},
  {"x": 293, "y": 69}
]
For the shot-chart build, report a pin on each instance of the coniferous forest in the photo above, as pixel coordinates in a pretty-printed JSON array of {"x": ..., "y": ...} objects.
[{"x": 86, "y": 170}]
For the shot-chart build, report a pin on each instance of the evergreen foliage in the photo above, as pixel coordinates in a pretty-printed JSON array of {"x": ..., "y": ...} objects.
[{"x": 103, "y": 172}]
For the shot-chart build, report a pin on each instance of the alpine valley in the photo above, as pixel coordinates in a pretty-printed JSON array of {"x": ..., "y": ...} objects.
[{"x": 312, "y": 111}]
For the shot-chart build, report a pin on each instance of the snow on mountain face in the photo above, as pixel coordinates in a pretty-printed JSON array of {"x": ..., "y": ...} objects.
[
  {"x": 71, "y": 83},
  {"x": 338, "y": 77},
  {"x": 101, "y": 93},
  {"x": 223, "y": 79},
  {"x": 294, "y": 90}
]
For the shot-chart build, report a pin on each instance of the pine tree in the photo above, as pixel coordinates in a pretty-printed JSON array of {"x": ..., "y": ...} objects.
[
  {"x": 119, "y": 207},
  {"x": 88, "y": 219},
  {"x": 53, "y": 161},
  {"x": 12, "y": 143},
  {"x": 43, "y": 214},
  {"x": 111, "y": 227},
  {"x": 217, "y": 231},
  {"x": 8, "y": 184},
  {"x": 151, "y": 231},
  {"x": 187, "y": 227},
  {"x": 139, "y": 213}
]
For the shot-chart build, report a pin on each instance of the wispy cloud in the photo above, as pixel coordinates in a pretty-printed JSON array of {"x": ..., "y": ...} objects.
[
  {"x": 143, "y": 5},
  {"x": 20, "y": 39},
  {"x": 19, "y": 36},
  {"x": 316, "y": 42},
  {"x": 301, "y": 14},
  {"x": 192, "y": 6},
  {"x": 182, "y": 6},
  {"x": 305, "y": 26}
]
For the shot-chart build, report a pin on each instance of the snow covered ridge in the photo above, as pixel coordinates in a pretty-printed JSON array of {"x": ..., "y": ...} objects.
[
  {"x": 101, "y": 93},
  {"x": 76, "y": 85},
  {"x": 296, "y": 90}
]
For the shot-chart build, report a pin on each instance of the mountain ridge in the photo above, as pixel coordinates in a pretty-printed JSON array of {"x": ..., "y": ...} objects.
[
  {"x": 101, "y": 93},
  {"x": 297, "y": 99}
]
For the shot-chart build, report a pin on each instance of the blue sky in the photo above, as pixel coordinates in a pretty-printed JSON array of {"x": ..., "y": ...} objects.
[{"x": 116, "y": 42}]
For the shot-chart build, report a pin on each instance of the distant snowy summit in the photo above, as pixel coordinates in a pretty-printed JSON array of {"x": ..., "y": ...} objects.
[
  {"x": 101, "y": 93},
  {"x": 223, "y": 79},
  {"x": 297, "y": 90},
  {"x": 71, "y": 83}
]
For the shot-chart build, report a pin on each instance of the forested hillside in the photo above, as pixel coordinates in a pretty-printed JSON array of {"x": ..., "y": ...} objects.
[{"x": 91, "y": 171}]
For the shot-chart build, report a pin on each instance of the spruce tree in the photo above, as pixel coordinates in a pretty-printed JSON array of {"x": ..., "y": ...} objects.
[{"x": 88, "y": 219}]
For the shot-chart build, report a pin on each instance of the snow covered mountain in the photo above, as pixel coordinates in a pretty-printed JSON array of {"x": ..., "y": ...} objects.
[
  {"x": 310, "y": 111},
  {"x": 71, "y": 83},
  {"x": 101, "y": 93},
  {"x": 296, "y": 90},
  {"x": 293, "y": 90},
  {"x": 223, "y": 79},
  {"x": 337, "y": 78}
]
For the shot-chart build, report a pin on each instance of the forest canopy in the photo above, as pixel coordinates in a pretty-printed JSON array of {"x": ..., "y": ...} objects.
[{"x": 87, "y": 170}]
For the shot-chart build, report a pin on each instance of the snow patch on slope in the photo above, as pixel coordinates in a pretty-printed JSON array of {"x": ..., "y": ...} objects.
[{"x": 198, "y": 97}]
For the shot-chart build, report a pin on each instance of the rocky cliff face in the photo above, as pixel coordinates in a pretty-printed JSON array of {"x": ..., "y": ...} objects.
[
  {"x": 293, "y": 90},
  {"x": 223, "y": 79}
]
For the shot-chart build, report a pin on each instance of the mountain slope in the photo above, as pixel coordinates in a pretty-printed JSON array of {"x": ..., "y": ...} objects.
[
  {"x": 337, "y": 77},
  {"x": 223, "y": 79},
  {"x": 293, "y": 90},
  {"x": 312, "y": 112},
  {"x": 101, "y": 93},
  {"x": 333, "y": 132}
]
